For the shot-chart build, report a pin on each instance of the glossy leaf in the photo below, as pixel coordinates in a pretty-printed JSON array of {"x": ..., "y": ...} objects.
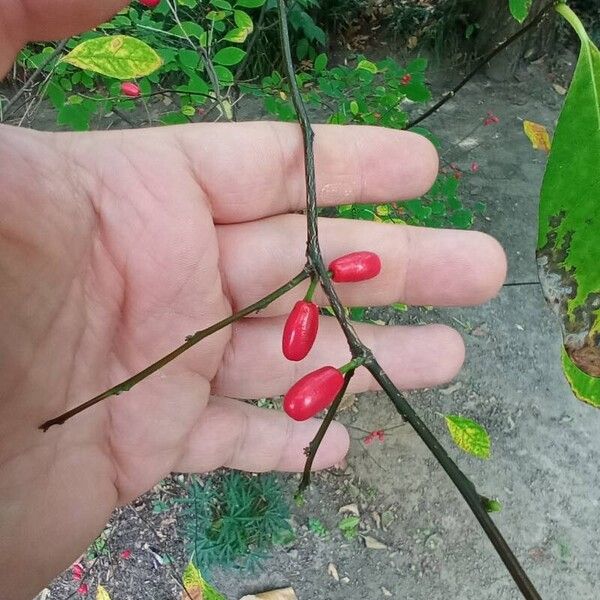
[
  {"x": 243, "y": 20},
  {"x": 519, "y": 9},
  {"x": 568, "y": 248},
  {"x": 229, "y": 56},
  {"x": 250, "y": 3},
  {"x": 118, "y": 56},
  {"x": 236, "y": 35},
  {"x": 469, "y": 436}
]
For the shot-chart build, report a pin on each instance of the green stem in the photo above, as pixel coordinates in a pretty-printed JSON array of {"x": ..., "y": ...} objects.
[
  {"x": 352, "y": 365},
  {"x": 574, "y": 21},
  {"x": 190, "y": 341},
  {"x": 311, "y": 289}
]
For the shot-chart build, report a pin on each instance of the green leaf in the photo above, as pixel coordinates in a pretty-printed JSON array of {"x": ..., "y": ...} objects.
[
  {"x": 243, "y": 20},
  {"x": 320, "y": 63},
  {"x": 418, "y": 65},
  {"x": 302, "y": 49},
  {"x": 519, "y": 9},
  {"x": 189, "y": 29},
  {"x": 367, "y": 65},
  {"x": 469, "y": 436},
  {"x": 118, "y": 56},
  {"x": 229, "y": 56},
  {"x": 216, "y": 15},
  {"x": 568, "y": 248},
  {"x": 189, "y": 58},
  {"x": 237, "y": 35},
  {"x": 222, "y": 4},
  {"x": 354, "y": 109},
  {"x": 250, "y": 3},
  {"x": 491, "y": 505},
  {"x": 224, "y": 75},
  {"x": 349, "y": 526},
  {"x": 188, "y": 3},
  {"x": 197, "y": 586}
]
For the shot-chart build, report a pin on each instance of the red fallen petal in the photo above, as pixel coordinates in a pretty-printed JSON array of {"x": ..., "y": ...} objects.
[
  {"x": 313, "y": 393},
  {"x": 368, "y": 439},
  {"x": 300, "y": 330},
  {"x": 380, "y": 433},
  {"x": 77, "y": 571},
  {"x": 406, "y": 79},
  {"x": 474, "y": 167},
  {"x": 126, "y": 554},
  {"x": 83, "y": 589},
  {"x": 356, "y": 266}
]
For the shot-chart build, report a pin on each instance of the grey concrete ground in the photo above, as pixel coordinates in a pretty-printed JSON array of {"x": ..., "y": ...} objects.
[{"x": 546, "y": 445}]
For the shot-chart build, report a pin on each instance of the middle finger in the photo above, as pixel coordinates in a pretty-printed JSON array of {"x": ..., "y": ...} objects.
[{"x": 420, "y": 266}]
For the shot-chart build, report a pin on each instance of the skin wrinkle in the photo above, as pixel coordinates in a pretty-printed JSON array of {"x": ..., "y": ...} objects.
[{"x": 289, "y": 162}]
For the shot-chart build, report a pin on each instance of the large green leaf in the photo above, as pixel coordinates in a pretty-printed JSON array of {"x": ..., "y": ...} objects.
[
  {"x": 119, "y": 56},
  {"x": 519, "y": 9},
  {"x": 568, "y": 249}
]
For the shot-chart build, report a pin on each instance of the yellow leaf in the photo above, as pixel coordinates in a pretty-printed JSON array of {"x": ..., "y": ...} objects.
[
  {"x": 102, "y": 594},
  {"x": 538, "y": 135}
]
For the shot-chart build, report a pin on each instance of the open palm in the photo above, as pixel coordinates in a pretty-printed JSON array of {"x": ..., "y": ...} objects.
[{"x": 115, "y": 246}]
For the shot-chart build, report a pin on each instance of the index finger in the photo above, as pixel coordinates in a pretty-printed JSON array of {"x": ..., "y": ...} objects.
[{"x": 256, "y": 169}]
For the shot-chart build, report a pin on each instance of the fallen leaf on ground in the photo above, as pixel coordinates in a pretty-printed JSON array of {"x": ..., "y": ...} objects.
[
  {"x": 372, "y": 544},
  {"x": 281, "y": 594},
  {"x": 332, "y": 570},
  {"x": 349, "y": 508},
  {"x": 538, "y": 135}
]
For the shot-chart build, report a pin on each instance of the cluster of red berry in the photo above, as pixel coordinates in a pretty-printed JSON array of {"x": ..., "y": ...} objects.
[{"x": 318, "y": 389}]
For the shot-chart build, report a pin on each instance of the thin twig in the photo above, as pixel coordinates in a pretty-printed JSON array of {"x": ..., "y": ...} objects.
[
  {"x": 449, "y": 95},
  {"x": 359, "y": 350},
  {"x": 313, "y": 447},
  {"x": 33, "y": 78},
  {"x": 191, "y": 340}
]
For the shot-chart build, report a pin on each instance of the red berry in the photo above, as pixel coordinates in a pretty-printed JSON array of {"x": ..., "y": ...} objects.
[
  {"x": 406, "y": 79},
  {"x": 125, "y": 554},
  {"x": 313, "y": 393},
  {"x": 149, "y": 3},
  {"x": 130, "y": 89},
  {"x": 357, "y": 266},
  {"x": 300, "y": 330}
]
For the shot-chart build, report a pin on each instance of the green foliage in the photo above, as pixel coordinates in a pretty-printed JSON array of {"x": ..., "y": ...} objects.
[
  {"x": 469, "y": 436},
  {"x": 568, "y": 253},
  {"x": 234, "y": 520},
  {"x": 118, "y": 56},
  {"x": 349, "y": 527},
  {"x": 519, "y": 9},
  {"x": 317, "y": 527},
  {"x": 197, "y": 587}
]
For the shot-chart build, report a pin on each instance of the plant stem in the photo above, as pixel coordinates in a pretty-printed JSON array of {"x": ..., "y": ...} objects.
[
  {"x": 190, "y": 341},
  {"x": 360, "y": 351},
  {"x": 313, "y": 447},
  {"x": 574, "y": 21},
  {"x": 513, "y": 38}
]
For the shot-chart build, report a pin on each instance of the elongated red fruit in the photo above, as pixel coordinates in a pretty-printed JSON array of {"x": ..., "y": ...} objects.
[
  {"x": 313, "y": 393},
  {"x": 357, "y": 266},
  {"x": 150, "y": 3},
  {"x": 130, "y": 89},
  {"x": 300, "y": 330}
]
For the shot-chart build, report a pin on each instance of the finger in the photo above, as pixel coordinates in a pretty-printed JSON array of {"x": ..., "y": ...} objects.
[
  {"x": 253, "y": 170},
  {"x": 419, "y": 265},
  {"x": 253, "y": 365},
  {"x": 242, "y": 436}
]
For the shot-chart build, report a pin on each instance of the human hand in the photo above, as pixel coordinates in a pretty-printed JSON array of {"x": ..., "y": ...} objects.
[{"x": 114, "y": 246}]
